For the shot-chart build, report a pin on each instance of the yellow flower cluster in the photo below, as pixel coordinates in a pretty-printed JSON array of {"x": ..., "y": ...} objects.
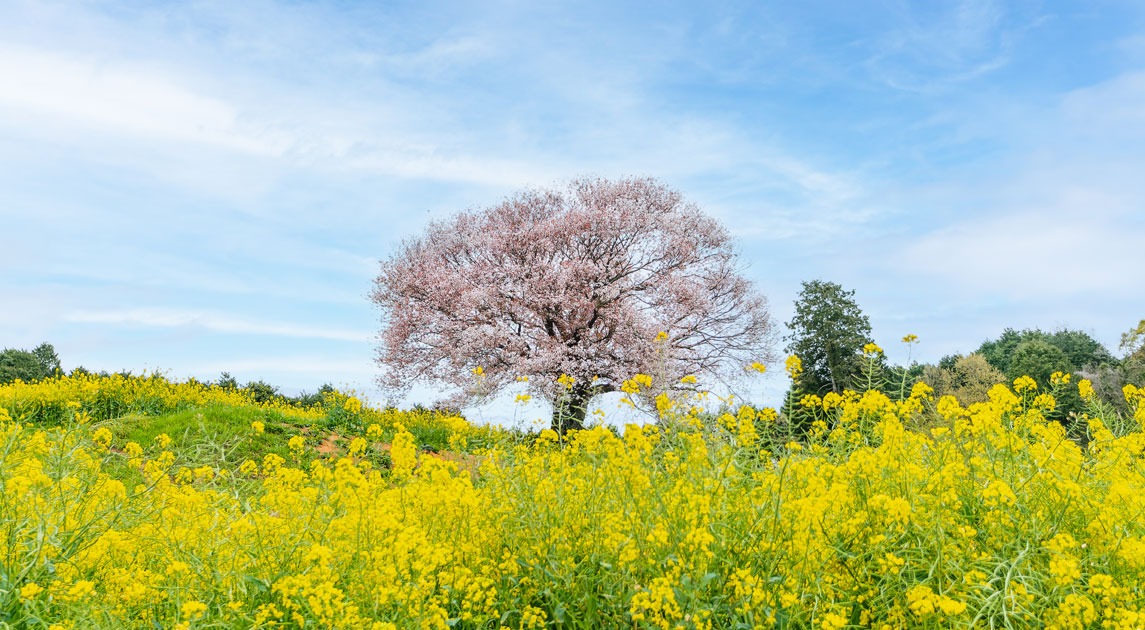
[
  {"x": 635, "y": 384},
  {"x": 794, "y": 367},
  {"x": 103, "y": 397},
  {"x": 993, "y": 517}
]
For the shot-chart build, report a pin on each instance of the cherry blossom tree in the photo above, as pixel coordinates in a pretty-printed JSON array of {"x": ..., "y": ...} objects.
[{"x": 579, "y": 283}]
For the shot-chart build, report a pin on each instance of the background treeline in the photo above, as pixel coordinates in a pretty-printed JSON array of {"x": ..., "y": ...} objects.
[{"x": 832, "y": 337}]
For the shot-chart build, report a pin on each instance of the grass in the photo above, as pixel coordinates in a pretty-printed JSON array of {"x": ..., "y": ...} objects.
[{"x": 222, "y": 436}]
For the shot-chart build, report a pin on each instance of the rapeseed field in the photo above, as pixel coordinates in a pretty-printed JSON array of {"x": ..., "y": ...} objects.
[{"x": 888, "y": 513}]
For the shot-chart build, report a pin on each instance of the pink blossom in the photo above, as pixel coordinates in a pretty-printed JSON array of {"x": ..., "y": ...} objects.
[{"x": 576, "y": 282}]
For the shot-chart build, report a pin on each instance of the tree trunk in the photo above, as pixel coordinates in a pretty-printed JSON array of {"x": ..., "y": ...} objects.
[{"x": 570, "y": 410}]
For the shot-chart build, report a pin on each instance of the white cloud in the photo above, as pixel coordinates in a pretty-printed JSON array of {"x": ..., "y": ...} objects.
[
  {"x": 1030, "y": 255},
  {"x": 1062, "y": 216},
  {"x": 157, "y": 105},
  {"x": 128, "y": 99}
]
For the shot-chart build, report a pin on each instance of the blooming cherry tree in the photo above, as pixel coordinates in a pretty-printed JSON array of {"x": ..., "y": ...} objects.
[{"x": 595, "y": 283}]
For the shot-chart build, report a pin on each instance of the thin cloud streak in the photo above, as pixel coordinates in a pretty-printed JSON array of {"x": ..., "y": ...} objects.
[{"x": 215, "y": 322}]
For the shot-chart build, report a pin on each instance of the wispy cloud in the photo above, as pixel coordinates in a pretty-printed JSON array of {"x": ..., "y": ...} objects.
[
  {"x": 935, "y": 46},
  {"x": 123, "y": 99},
  {"x": 348, "y": 369},
  {"x": 215, "y": 322}
]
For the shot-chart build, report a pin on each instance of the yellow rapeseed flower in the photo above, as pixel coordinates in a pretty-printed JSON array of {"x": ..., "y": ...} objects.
[
  {"x": 1025, "y": 384},
  {"x": 193, "y": 609},
  {"x": 794, "y": 367},
  {"x": 1085, "y": 389}
]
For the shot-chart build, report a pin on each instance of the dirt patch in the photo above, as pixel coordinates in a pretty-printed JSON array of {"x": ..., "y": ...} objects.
[{"x": 329, "y": 446}]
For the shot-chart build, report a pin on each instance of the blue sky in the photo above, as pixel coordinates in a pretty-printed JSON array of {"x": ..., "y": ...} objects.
[{"x": 208, "y": 186}]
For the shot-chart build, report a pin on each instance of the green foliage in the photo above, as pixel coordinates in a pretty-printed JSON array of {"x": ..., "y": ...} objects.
[
  {"x": 1028, "y": 353},
  {"x": 1000, "y": 351},
  {"x": 261, "y": 392},
  {"x": 215, "y": 434},
  {"x": 828, "y": 333},
  {"x": 949, "y": 361},
  {"x": 900, "y": 378},
  {"x": 306, "y": 399},
  {"x": 29, "y": 366},
  {"x": 226, "y": 381},
  {"x": 20, "y": 364},
  {"x": 1081, "y": 350},
  {"x": 1133, "y": 343},
  {"x": 49, "y": 360},
  {"x": 1038, "y": 358},
  {"x": 966, "y": 378}
]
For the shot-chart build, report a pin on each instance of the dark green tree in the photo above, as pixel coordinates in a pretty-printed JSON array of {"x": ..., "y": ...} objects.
[
  {"x": 20, "y": 364},
  {"x": 827, "y": 333},
  {"x": 40, "y": 363},
  {"x": 49, "y": 360},
  {"x": 1038, "y": 354},
  {"x": 226, "y": 381},
  {"x": 999, "y": 352},
  {"x": 261, "y": 392},
  {"x": 1075, "y": 350},
  {"x": 1082, "y": 350},
  {"x": 1038, "y": 359}
]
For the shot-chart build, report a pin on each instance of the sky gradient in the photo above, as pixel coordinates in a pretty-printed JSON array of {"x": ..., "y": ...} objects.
[{"x": 209, "y": 186}]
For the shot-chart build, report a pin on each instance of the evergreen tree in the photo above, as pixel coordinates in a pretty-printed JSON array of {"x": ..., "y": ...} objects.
[{"x": 828, "y": 333}]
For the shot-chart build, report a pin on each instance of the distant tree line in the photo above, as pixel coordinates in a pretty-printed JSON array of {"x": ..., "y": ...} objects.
[
  {"x": 29, "y": 365},
  {"x": 829, "y": 332}
]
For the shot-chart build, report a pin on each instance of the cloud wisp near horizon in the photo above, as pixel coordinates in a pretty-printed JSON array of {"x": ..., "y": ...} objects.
[{"x": 187, "y": 187}]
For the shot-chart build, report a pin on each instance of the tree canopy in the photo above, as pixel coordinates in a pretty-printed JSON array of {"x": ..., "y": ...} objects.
[
  {"x": 39, "y": 363},
  {"x": 1133, "y": 343},
  {"x": 967, "y": 378},
  {"x": 596, "y": 283},
  {"x": 1038, "y": 354},
  {"x": 827, "y": 333}
]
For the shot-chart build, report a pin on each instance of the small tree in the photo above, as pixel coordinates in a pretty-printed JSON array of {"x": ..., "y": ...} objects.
[
  {"x": 39, "y": 363},
  {"x": 20, "y": 364},
  {"x": 968, "y": 378},
  {"x": 228, "y": 382},
  {"x": 578, "y": 283},
  {"x": 261, "y": 391},
  {"x": 828, "y": 333},
  {"x": 1133, "y": 343},
  {"x": 49, "y": 360}
]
